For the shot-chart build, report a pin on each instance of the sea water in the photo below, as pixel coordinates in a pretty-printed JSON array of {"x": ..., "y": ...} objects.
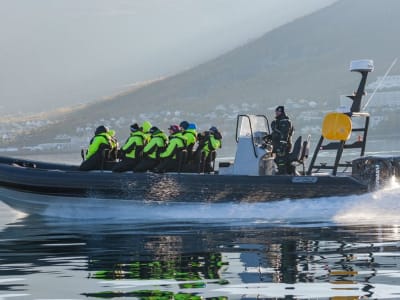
[{"x": 303, "y": 249}]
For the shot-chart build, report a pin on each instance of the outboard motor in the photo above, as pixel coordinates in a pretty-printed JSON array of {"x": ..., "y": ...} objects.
[
  {"x": 396, "y": 165},
  {"x": 374, "y": 171}
]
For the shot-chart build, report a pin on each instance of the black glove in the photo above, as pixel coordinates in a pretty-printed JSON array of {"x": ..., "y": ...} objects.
[{"x": 120, "y": 154}]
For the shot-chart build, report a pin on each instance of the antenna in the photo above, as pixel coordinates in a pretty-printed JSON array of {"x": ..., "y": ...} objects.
[
  {"x": 380, "y": 82},
  {"x": 363, "y": 66}
]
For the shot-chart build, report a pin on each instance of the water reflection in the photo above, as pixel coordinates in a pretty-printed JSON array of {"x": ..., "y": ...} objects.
[{"x": 41, "y": 257}]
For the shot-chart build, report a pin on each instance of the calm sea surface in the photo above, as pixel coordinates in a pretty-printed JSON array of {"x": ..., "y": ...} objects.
[{"x": 339, "y": 248}]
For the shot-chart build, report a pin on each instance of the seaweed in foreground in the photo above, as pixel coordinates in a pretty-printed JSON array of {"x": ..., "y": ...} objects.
[{"x": 151, "y": 294}]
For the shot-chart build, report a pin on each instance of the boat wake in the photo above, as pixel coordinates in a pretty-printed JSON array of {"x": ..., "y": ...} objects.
[{"x": 379, "y": 207}]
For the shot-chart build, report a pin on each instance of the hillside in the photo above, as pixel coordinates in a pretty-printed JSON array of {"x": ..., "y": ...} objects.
[{"x": 299, "y": 64}]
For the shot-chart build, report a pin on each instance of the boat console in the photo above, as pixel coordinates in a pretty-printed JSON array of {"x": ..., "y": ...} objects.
[
  {"x": 253, "y": 156},
  {"x": 254, "y": 153}
]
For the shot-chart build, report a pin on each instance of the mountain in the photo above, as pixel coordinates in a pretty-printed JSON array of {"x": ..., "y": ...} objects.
[{"x": 303, "y": 65}]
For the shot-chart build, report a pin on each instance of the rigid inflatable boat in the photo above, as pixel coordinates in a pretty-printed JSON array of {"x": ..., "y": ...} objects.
[{"x": 36, "y": 187}]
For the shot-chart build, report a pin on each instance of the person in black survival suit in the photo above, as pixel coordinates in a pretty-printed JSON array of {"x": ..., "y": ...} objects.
[
  {"x": 101, "y": 141},
  {"x": 281, "y": 137}
]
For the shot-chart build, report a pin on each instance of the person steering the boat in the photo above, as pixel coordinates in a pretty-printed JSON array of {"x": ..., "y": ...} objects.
[
  {"x": 281, "y": 137},
  {"x": 151, "y": 152},
  {"x": 131, "y": 152},
  {"x": 95, "y": 154},
  {"x": 172, "y": 157}
]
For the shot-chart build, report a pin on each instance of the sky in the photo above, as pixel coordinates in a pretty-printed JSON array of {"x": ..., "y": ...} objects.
[{"x": 60, "y": 53}]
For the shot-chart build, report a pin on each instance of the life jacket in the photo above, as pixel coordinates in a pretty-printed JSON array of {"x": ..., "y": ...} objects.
[
  {"x": 180, "y": 137},
  {"x": 135, "y": 144},
  {"x": 98, "y": 143},
  {"x": 157, "y": 144},
  {"x": 191, "y": 136},
  {"x": 113, "y": 139},
  {"x": 212, "y": 143},
  {"x": 177, "y": 142}
]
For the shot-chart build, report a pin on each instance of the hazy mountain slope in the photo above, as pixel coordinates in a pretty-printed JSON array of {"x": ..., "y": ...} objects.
[
  {"x": 290, "y": 62},
  {"x": 306, "y": 59}
]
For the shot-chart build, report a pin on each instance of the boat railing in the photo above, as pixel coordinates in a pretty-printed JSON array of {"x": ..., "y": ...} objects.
[
  {"x": 339, "y": 127},
  {"x": 358, "y": 141}
]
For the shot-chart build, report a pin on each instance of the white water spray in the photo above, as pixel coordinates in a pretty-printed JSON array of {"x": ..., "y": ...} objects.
[{"x": 380, "y": 207}]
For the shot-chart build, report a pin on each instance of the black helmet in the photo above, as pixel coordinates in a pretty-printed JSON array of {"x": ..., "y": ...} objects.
[
  {"x": 134, "y": 127},
  {"x": 214, "y": 130},
  {"x": 154, "y": 129},
  {"x": 280, "y": 109},
  {"x": 101, "y": 129},
  {"x": 184, "y": 125}
]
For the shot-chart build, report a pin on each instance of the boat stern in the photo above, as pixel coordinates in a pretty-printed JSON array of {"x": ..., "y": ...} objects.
[{"x": 376, "y": 171}]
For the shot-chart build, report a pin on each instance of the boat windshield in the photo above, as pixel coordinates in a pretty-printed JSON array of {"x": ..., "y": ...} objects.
[{"x": 254, "y": 126}]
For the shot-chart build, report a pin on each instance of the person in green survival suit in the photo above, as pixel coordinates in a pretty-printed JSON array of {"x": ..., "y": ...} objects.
[
  {"x": 209, "y": 142},
  {"x": 101, "y": 141},
  {"x": 190, "y": 133},
  {"x": 170, "y": 158},
  {"x": 132, "y": 151},
  {"x": 113, "y": 153},
  {"x": 151, "y": 152},
  {"x": 281, "y": 137}
]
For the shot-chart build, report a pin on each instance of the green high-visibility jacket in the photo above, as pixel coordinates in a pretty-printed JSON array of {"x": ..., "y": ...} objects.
[
  {"x": 191, "y": 136},
  {"x": 134, "y": 144},
  {"x": 176, "y": 142},
  {"x": 98, "y": 142},
  {"x": 211, "y": 144},
  {"x": 113, "y": 139},
  {"x": 157, "y": 144}
]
